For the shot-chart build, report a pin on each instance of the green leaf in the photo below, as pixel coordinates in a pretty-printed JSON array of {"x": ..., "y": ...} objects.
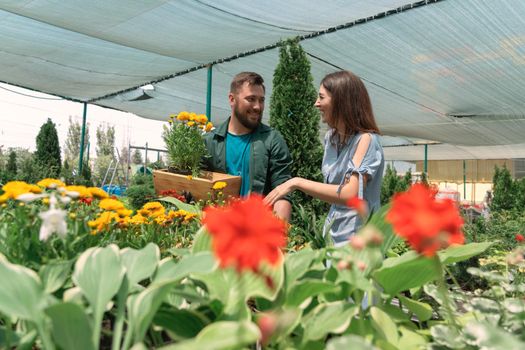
[
  {"x": 221, "y": 335},
  {"x": 143, "y": 306},
  {"x": 384, "y": 325},
  {"x": 423, "y": 311},
  {"x": 411, "y": 340},
  {"x": 169, "y": 269},
  {"x": 140, "y": 264},
  {"x": 447, "y": 336},
  {"x": 201, "y": 241},
  {"x": 71, "y": 327},
  {"x": 378, "y": 220},
  {"x": 21, "y": 294},
  {"x": 99, "y": 273},
  {"x": 54, "y": 275},
  {"x": 298, "y": 263},
  {"x": 407, "y": 271},
  {"x": 181, "y": 324},
  {"x": 328, "y": 318},
  {"x": 459, "y": 253},
  {"x": 486, "y": 336},
  {"x": 181, "y": 205},
  {"x": 353, "y": 342},
  {"x": 304, "y": 289}
]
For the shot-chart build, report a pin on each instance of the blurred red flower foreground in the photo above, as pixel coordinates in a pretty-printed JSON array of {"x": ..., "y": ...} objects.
[
  {"x": 426, "y": 223},
  {"x": 245, "y": 233}
]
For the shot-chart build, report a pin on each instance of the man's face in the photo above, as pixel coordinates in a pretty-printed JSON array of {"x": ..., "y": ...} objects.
[{"x": 248, "y": 105}]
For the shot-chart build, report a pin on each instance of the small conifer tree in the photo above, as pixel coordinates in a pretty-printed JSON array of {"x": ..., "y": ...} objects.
[
  {"x": 47, "y": 153},
  {"x": 503, "y": 197}
]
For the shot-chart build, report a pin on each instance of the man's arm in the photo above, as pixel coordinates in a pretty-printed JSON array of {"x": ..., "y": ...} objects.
[{"x": 280, "y": 172}]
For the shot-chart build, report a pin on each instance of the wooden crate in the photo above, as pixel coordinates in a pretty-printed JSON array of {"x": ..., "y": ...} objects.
[{"x": 199, "y": 187}]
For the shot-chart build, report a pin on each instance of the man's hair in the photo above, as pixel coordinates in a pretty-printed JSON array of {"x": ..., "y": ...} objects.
[
  {"x": 250, "y": 77},
  {"x": 350, "y": 102}
]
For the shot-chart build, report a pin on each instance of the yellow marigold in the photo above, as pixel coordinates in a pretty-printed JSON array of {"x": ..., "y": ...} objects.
[
  {"x": 111, "y": 204},
  {"x": 189, "y": 216},
  {"x": 45, "y": 200},
  {"x": 98, "y": 192},
  {"x": 193, "y": 116},
  {"x": 209, "y": 126},
  {"x": 124, "y": 212},
  {"x": 183, "y": 116},
  {"x": 191, "y": 123},
  {"x": 201, "y": 119},
  {"x": 153, "y": 206},
  {"x": 72, "y": 216},
  {"x": 102, "y": 222},
  {"x": 50, "y": 183},
  {"x": 14, "y": 189},
  {"x": 124, "y": 221},
  {"x": 161, "y": 219},
  {"x": 3, "y": 199},
  {"x": 177, "y": 214},
  {"x": 189, "y": 177},
  {"x": 219, "y": 185},
  {"x": 138, "y": 219},
  {"x": 81, "y": 190}
]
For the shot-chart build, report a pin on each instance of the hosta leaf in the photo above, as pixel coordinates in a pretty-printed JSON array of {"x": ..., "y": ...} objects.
[
  {"x": 54, "y": 275},
  {"x": 140, "y": 264},
  {"x": 71, "y": 327},
  {"x": 328, "y": 318}
]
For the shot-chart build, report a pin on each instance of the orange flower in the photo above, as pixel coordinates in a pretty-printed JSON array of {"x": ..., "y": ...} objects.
[
  {"x": 426, "y": 223},
  {"x": 245, "y": 233},
  {"x": 359, "y": 205}
]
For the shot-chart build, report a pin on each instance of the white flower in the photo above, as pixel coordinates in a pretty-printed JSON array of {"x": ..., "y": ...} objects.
[
  {"x": 53, "y": 220},
  {"x": 29, "y": 197},
  {"x": 65, "y": 200},
  {"x": 72, "y": 194}
]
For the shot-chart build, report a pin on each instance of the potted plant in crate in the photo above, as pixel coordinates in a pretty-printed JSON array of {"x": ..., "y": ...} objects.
[{"x": 186, "y": 149}]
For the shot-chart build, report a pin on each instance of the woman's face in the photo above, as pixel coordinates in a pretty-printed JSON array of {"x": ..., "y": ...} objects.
[{"x": 324, "y": 104}]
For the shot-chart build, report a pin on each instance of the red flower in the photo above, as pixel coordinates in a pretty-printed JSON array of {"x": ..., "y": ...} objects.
[
  {"x": 87, "y": 200},
  {"x": 359, "y": 205},
  {"x": 519, "y": 237},
  {"x": 428, "y": 224},
  {"x": 245, "y": 233}
]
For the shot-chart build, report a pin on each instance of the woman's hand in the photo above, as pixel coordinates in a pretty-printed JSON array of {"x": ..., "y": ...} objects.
[{"x": 280, "y": 191}]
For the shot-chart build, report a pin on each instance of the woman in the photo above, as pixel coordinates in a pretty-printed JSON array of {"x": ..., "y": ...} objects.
[{"x": 353, "y": 159}]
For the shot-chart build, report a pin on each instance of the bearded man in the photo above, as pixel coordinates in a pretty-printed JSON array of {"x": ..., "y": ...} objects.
[{"x": 244, "y": 146}]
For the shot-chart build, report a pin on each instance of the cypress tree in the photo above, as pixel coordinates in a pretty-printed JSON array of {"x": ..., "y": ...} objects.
[
  {"x": 48, "y": 148},
  {"x": 293, "y": 114},
  {"x": 503, "y": 196}
]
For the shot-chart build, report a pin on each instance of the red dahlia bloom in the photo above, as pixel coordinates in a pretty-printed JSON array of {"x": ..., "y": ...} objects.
[
  {"x": 359, "y": 205},
  {"x": 426, "y": 223},
  {"x": 519, "y": 237},
  {"x": 245, "y": 233}
]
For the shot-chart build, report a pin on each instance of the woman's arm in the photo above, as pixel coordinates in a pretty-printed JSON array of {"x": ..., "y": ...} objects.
[{"x": 322, "y": 191}]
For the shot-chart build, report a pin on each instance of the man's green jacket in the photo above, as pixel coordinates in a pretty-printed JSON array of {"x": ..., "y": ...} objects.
[{"x": 270, "y": 160}]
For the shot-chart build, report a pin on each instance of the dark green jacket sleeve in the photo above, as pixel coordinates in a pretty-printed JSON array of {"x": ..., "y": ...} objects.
[{"x": 280, "y": 162}]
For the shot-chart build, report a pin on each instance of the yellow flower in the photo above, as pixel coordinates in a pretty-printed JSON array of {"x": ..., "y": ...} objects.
[
  {"x": 152, "y": 209},
  {"x": 45, "y": 200},
  {"x": 183, "y": 116},
  {"x": 4, "y": 205},
  {"x": 102, "y": 222},
  {"x": 81, "y": 190},
  {"x": 189, "y": 216},
  {"x": 73, "y": 215},
  {"x": 189, "y": 177},
  {"x": 209, "y": 126},
  {"x": 14, "y": 189},
  {"x": 124, "y": 212},
  {"x": 21, "y": 204},
  {"x": 50, "y": 183},
  {"x": 193, "y": 116},
  {"x": 111, "y": 204},
  {"x": 3, "y": 199},
  {"x": 138, "y": 219},
  {"x": 191, "y": 123},
  {"x": 219, "y": 185},
  {"x": 98, "y": 192},
  {"x": 202, "y": 119}
]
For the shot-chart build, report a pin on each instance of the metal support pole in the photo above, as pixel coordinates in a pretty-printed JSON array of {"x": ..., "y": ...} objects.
[
  {"x": 146, "y": 159},
  {"x": 464, "y": 179},
  {"x": 82, "y": 137},
  {"x": 425, "y": 163},
  {"x": 208, "y": 93}
]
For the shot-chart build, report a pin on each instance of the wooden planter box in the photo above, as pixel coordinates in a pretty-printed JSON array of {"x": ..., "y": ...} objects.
[{"x": 199, "y": 187}]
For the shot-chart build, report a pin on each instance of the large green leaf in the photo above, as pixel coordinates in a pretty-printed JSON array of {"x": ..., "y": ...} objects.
[
  {"x": 181, "y": 324},
  {"x": 71, "y": 327},
  {"x": 486, "y": 336},
  {"x": 353, "y": 342},
  {"x": 411, "y": 340},
  {"x": 98, "y": 273},
  {"x": 298, "y": 263},
  {"x": 140, "y": 264},
  {"x": 423, "y": 311},
  {"x": 384, "y": 325},
  {"x": 459, "y": 253},
  {"x": 181, "y": 205},
  {"x": 201, "y": 241},
  {"x": 328, "y": 318},
  {"x": 306, "y": 289},
  {"x": 407, "y": 271},
  {"x": 22, "y": 293},
  {"x": 169, "y": 269},
  {"x": 143, "y": 306},
  {"x": 221, "y": 335},
  {"x": 54, "y": 275}
]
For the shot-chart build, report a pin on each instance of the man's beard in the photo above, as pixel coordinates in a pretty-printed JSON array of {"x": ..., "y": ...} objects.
[{"x": 245, "y": 120}]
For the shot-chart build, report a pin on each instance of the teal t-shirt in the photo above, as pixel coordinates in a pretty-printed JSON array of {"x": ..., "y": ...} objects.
[{"x": 238, "y": 159}]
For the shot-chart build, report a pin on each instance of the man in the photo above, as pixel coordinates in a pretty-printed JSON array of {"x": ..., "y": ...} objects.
[{"x": 243, "y": 146}]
